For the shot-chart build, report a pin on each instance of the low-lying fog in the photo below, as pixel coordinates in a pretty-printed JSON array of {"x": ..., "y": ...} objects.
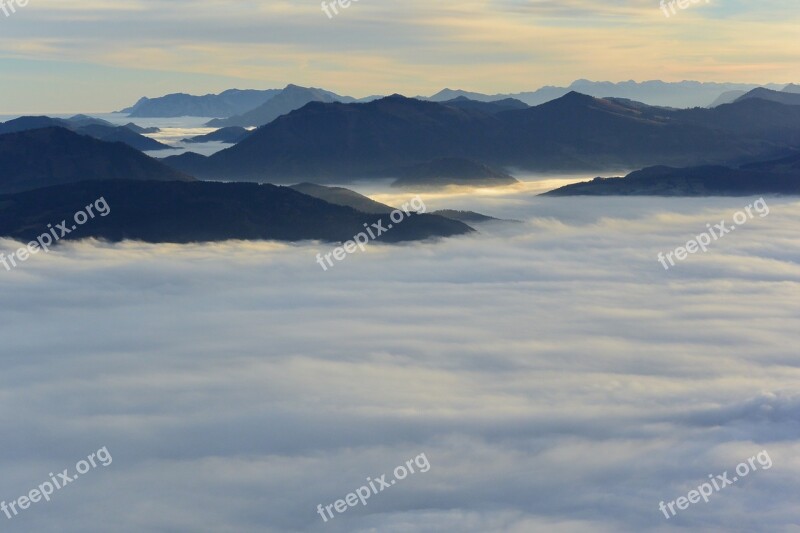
[{"x": 557, "y": 378}]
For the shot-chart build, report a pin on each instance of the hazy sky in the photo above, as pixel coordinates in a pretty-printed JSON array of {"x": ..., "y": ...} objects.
[
  {"x": 557, "y": 378},
  {"x": 101, "y": 55}
]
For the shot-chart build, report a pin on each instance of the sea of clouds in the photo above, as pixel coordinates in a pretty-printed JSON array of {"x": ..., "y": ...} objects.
[{"x": 557, "y": 378}]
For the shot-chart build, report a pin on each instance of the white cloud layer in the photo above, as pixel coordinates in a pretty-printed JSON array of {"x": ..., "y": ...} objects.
[{"x": 556, "y": 377}]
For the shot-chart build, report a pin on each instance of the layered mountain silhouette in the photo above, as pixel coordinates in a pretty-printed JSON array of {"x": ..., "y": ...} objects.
[
  {"x": 230, "y": 135},
  {"x": 780, "y": 176},
  {"x": 684, "y": 94},
  {"x": 291, "y": 98},
  {"x": 495, "y": 106},
  {"x": 226, "y": 104},
  {"x": 782, "y": 97},
  {"x": 93, "y": 127},
  {"x": 450, "y": 171},
  {"x": 335, "y": 142},
  {"x": 32, "y": 159},
  {"x": 359, "y": 202},
  {"x": 140, "y": 130},
  {"x": 728, "y": 97},
  {"x": 343, "y": 196},
  {"x": 183, "y": 212}
]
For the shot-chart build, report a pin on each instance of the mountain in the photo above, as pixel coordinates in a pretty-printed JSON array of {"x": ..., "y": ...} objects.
[
  {"x": 140, "y": 130},
  {"x": 728, "y": 97},
  {"x": 230, "y": 135},
  {"x": 342, "y": 196},
  {"x": 324, "y": 142},
  {"x": 787, "y": 98},
  {"x": 226, "y": 104},
  {"x": 540, "y": 96},
  {"x": 684, "y": 94},
  {"x": 578, "y": 132},
  {"x": 792, "y": 88},
  {"x": 448, "y": 95},
  {"x": 291, "y": 98},
  {"x": 177, "y": 212},
  {"x": 467, "y": 217},
  {"x": 50, "y": 156},
  {"x": 123, "y": 135},
  {"x": 96, "y": 128},
  {"x": 85, "y": 120},
  {"x": 462, "y": 102},
  {"x": 450, "y": 171},
  {"x": 334, "y": 142},
  {"x": 359, "y": 202},
  {"x": 780, "y": 176}
]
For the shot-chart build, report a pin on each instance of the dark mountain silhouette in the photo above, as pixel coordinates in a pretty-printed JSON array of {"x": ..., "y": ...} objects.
[
  {"x": 230, "y": 135},
  {"x": 226, "y": 104},
  {"x": 781, "y": 176},
  {"x": 79, "y": 121},
  {"x": 752, "y": 120},
  {"x": 787, "y": 98},
  {"x": 328, "y": 142},
  {"x": 86, "y": 120},
  {"x": 359, "y": 202},
  {"x": 123, "y": 135},
  {"x": 450, "y": 171},
  {"x": 140, "y": 130},
  {"x": 39, "y": 158},
  {"x": 467, "y": 217},
  {"x": 335, "y": 142},
  {"x": 462, "y": 102},
  {"x": 177, "y": 212},
  {"x": 342, "y": 196},
  {"x": 291, "y": 98},
  {"x": 97, "y": 128}
]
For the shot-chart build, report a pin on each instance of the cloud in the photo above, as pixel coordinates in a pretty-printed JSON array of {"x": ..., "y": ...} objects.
[
  {"x": 143, "y": 47},
  {"x": 557, "y": 378}
]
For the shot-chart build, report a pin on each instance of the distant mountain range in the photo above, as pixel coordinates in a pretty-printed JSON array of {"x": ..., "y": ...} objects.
[
  {"x": 684, "y": 94},
  {"x": 32, "y": 159},
  {"x": 177, "y": 212},
  {"x": 291, "y": 98},
  {"x": 335, "y": 142},
  {"x": 225, "y": 104},
  {"x": 781, "y": 176},
  {"x": 240, "y": 105},
  {"x": 93, "y": 127}
]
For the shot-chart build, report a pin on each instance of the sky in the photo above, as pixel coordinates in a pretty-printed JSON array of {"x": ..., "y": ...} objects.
[
  {"x": 102, "y": 55},
  {"x": 555, "y": 376}
]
